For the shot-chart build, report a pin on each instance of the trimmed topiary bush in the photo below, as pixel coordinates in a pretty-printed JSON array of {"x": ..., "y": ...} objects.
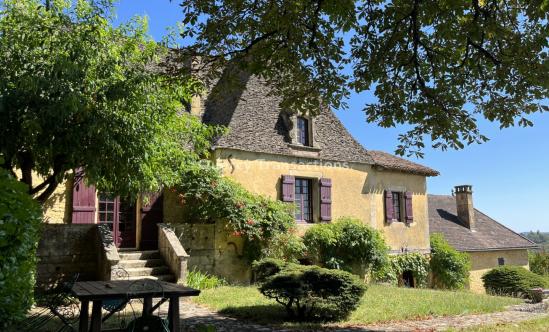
[
  {"x": 311, "y": 293},
  {"x": 512, "y": 281},
  {"x": 266, "y": 268},
  {"x": 20, "y": 219},
  {"x": 346, "y": 244},
  {"x": 450, "y": 268}
]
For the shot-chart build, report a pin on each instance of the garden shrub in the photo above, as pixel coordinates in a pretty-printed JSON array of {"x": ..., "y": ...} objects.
[
  {"x": 513, "y": 281},
  {"x": 20, "y": 220},
  {"x": 202, "y": 280},
  {"x": 315, "y": 293},
  {"x": 286, "y": 246},
  {"x": 346, "y": 244},
  {"x": 450, "y": 268},
  {"x": 205, "y": 196},
  {"x": 539, "y": 263},
  {"x": 266, "y": 268},
  {"x": 416, "y": 263}
]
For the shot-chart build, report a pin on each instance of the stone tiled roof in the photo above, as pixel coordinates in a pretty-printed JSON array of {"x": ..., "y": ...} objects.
[
  {"x": 257, "y": 124},
  {"x": 389, "y": 161},
  {"x": 488, "y": 234}
]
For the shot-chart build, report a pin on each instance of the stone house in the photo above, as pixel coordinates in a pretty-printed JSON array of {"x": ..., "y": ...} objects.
[
  {"x": 309, "y": 160},
  {"x": 488, "y": 243}
]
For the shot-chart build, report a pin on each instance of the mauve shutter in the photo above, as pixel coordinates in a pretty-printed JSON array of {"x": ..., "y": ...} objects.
[
  {"x": 408, "y": 207},
  {"x": 325, "y": 199},
  {"x": 83, "y": 200},
  {"x": 389, "y": 213},
  {"x": 288, "y": 188}
]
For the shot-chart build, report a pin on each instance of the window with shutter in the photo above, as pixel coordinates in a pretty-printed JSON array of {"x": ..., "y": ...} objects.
[
  {"x": 288, "y": 183},
  {"x": 303, "y": 200},
  {"x": 83, "y": 200},
  {"x": 325, "y": 186}
]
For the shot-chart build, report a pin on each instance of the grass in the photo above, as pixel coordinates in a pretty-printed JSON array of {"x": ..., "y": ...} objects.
[
  {"x": 534, "y": 325},
  {"x": 201, "y": 280},
  {"x": 379, "y": 304}
]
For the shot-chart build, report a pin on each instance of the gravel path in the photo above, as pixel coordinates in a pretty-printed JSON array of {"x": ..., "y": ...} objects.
[{"x": 195, "y": 318}]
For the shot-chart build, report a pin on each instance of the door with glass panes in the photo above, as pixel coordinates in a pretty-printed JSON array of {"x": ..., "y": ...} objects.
[{"x": 120, "y": 215}]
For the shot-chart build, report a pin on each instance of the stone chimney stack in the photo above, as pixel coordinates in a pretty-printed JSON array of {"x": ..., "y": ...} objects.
[{"x": 464, "y": 202}]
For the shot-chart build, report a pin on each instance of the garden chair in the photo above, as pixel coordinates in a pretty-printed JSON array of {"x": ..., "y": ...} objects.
[
  {"x": 147, "y": 321},
  {"x": 116, "y": 306},
  {"x": 57, "y": 302}
]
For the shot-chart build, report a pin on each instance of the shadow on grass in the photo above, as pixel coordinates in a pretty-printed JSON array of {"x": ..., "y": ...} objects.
[{"x": 276, "y": 316}]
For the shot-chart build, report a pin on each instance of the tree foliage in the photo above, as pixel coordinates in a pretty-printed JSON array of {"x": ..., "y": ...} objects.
[
  {"x": 77, "y": 92},
  {"x": 20, "y": 219},
  {"x": 437, "y": 66}
]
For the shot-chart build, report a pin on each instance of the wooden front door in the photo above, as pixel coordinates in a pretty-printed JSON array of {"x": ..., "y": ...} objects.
[
  {"x": 152, "y": 213},
  {"x": 119, "y": 214}
]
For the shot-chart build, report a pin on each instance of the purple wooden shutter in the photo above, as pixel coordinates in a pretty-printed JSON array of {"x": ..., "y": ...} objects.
[
  {"x": 389, "y": 213},
  {"x": 325, "y": 186},
  {"x": 408, "y": 207},
  {"x": 288, "y": 188},
  {"x": 83, "y": 200}
]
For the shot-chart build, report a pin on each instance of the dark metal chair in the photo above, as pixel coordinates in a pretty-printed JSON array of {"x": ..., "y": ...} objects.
[
  {"x": 56, "y": 302},
  {"x": 147, "y": 321},
  {"x": 116, "y": 306}
]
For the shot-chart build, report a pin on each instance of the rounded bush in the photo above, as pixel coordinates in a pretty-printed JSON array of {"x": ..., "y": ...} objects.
[
  {"x": 346, "y": 244},
  {"x": 513, "y": 281},
  {"x": 266, "y": 268},
  {"x": 20, "y": 219},
  {"x": 311, "y": 293}
]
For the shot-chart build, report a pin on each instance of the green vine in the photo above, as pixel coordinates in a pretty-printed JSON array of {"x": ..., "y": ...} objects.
[
  {"x": 392, "y": 272},
  {"x": 207, "y": 196}
]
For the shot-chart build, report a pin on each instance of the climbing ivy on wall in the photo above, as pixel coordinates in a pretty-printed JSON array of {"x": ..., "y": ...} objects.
[
  {"x": 416, "y": 263},
  {"x": 206, "y": 196}
]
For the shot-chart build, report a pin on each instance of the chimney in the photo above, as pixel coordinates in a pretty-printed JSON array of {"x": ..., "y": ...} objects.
[{"x": 464, "y": 203}]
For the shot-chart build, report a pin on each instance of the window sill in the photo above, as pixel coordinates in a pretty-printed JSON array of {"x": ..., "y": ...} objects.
[{"x": 304, "y": 147}]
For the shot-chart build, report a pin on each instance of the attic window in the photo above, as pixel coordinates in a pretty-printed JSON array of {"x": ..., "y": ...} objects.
[{"x": 303, "y": 132}]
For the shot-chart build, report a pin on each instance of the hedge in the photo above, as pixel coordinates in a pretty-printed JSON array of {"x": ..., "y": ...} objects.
[
  {"x": 512, "y": 281},
  {"x": 20, "y": 220}
]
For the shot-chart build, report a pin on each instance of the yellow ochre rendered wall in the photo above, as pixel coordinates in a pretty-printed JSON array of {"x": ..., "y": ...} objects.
[
  {"x": 484, "y": 261},
  {"x": 357, "y": 190}
]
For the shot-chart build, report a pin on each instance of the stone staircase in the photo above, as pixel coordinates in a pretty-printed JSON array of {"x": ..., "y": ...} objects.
[{"x": 145, "y": 264}]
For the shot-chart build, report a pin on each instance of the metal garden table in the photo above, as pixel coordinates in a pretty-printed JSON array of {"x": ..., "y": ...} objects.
[{"x": 99, "y": 291}]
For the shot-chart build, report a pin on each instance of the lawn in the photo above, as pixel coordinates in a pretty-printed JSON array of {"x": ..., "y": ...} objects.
[{"x": 379, "y": 304}]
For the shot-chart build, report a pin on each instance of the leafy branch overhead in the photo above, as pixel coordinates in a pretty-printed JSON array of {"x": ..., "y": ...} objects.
[{"x": 437, "y": 66}]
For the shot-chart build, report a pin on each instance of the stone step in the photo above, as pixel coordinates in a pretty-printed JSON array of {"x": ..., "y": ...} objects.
[
  {"x": 162, "y": 277},
  {"x": 148, "y": 271},
  {"x": 139, "y": 255},
  {"x": 128, "y": 264}
]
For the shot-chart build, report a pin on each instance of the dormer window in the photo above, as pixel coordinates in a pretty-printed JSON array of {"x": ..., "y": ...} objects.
[{"x": 303, "y": 135}]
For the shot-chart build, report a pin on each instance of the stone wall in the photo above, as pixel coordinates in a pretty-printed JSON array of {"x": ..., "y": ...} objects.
[
  {"x": 173, "y": 252},
  {"x": 66, "y": 249},
  {"x": 484, "y": 261},
  {"x": 213, "y": 250}
]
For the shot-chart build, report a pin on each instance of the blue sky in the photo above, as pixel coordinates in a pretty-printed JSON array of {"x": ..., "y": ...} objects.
[{"x": 509, "y": 173}]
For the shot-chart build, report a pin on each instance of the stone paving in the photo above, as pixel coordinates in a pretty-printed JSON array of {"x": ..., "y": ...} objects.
[{"x": 198, "y": 318}]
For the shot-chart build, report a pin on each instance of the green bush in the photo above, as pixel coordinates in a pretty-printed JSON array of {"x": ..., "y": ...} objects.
[
  {"x": 314, "y": 293},
  {"x": 205, "y": 195},
  {"x": 202, "y": 280},
  {"x": 539, "y": 263},
  {"x": 449, "y": 267},
  {"x": 286, "y": 246},
  {"x": 20, "y": 220},
  {"x": 346, "y": 244},
  {"x": 513, "y": 281},
  {"x": 266, "y": 268}
]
